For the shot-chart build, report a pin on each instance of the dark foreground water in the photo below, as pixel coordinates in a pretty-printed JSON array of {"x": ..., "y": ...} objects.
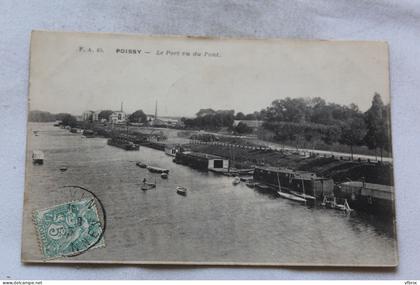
[{"x": 215, "y": 222}]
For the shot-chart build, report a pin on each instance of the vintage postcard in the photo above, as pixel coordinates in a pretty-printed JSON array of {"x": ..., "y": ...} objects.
[{"x": 206, "y": 151}]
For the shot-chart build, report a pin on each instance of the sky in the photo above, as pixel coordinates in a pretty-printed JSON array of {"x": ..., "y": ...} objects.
[{"x": 74, "y": 72}]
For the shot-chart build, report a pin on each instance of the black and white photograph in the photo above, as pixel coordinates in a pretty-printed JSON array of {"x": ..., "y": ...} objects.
[{"x": 208, "y": 151}]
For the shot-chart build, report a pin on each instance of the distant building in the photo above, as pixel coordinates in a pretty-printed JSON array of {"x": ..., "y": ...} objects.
[
  {"x": 117, "y": 117},
  {"x": 87, "y": 115},
  {"x": 95, "y": 116},
  {"x": 90, "y": 115}
]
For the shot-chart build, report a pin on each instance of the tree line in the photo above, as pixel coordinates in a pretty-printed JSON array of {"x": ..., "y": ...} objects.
[
  {"x": 297, "y": 120},
  {"x": 301, "y": 120},
  {"x": 67, "y": 119},
  {"x": 309, "y": 120}
]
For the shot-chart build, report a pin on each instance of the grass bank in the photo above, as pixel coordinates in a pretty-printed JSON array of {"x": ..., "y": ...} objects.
[{"x": 339, "y": 170}]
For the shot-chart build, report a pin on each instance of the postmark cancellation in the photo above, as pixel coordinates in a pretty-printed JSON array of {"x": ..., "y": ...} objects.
[{"x": 69, "y": 229}]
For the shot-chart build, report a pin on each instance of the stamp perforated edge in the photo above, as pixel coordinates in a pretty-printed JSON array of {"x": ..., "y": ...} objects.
[{"x": 40, "y": 238}]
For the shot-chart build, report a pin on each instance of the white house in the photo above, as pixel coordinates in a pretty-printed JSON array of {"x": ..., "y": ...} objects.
[{"x": 117, "y": 117}]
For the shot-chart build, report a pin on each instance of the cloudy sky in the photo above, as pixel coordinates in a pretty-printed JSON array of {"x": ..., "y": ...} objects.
[{"x": 243, "y": 75}]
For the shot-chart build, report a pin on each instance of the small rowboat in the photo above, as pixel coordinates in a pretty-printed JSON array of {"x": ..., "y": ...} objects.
[
  {"x": 291, "y": 197},
  {"x": 246, "y": 178},
  {"x": 236, "y": 181},
  {"x": 250, "y": 184},
  {"x": 141, "y": 165},
  {"x": 147, "y": 186},
  {"x": 304, "y": 196},
  {"x": 262, "y": 187},
  {"x": 164, "y": 175},
  {"x": 181, "y": 190},
  {"x": 63, "y": 168}
]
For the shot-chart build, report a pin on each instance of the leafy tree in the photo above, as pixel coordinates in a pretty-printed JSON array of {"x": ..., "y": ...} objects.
[
  {"x": 104, "y": 114},
  {"x": 204, "y": 112},
  {"x": 138, "y": 117},
  {"x": 41, "y": 116},
  {"x": 377, "y": 122},
  {"x": 243, "y": 128},
  {"x": 353, "y": 132},
  {"x": 210, "y": 119},
  {"x": 251, "y": 116},
  {"x": 289, "y": 110},
  {"x": 240, "y": 116},
  {"x": 61, "y": 116},
  {"x": 69, "y": 120}
]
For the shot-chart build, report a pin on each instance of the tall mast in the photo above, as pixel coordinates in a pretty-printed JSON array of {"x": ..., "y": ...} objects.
[{"x": 156, "y": 113}]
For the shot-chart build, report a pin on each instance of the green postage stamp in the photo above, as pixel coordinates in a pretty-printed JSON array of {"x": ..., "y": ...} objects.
[{"x": 69, "y": 229}]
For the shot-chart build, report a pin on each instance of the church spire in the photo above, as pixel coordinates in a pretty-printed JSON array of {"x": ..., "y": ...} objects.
[{"x": 122, "y": 106}]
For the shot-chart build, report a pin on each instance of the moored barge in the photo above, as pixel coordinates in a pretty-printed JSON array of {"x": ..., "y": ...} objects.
[
  {"x": 156, "y": 169},
  {"x": 368, "y": 197},
  {"x": 202, "y": 161},
  {"x": 297, "y": 182},
  {"x": 123, "y": 143}
]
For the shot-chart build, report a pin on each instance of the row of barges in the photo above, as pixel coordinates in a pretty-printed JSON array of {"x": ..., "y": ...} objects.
[{"x": 308, "y": 186}]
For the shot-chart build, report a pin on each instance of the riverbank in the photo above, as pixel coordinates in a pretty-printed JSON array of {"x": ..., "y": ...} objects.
[
  {"x": 331, "y": 167},
  {"x": 248, "y": 155}
]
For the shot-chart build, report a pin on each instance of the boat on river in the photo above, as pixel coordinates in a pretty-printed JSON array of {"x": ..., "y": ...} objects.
[
  {"x": 291, "y": 197},
  {"x": 250, "y": 184},
  {"x": 38, "y": 157},
  {"x": 181, "y": 190},
  {"x": 156, "y": 169},
  {"x": 368, "y": 197},
  {"x": 262, "y": 187},
  {"x": 302, "y": 195},
  {"x": 331, "y": 203},
  {"x": 246, "y": 178},
  {"x": 148, "y": 186},
  {"x": 123, "y": 143},
  {"x": 236, "y": 181},
  {"x": 141, "y": 164}
]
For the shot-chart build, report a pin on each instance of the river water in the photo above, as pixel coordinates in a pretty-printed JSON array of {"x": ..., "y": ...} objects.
[{"x": 215, "y": 222}]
